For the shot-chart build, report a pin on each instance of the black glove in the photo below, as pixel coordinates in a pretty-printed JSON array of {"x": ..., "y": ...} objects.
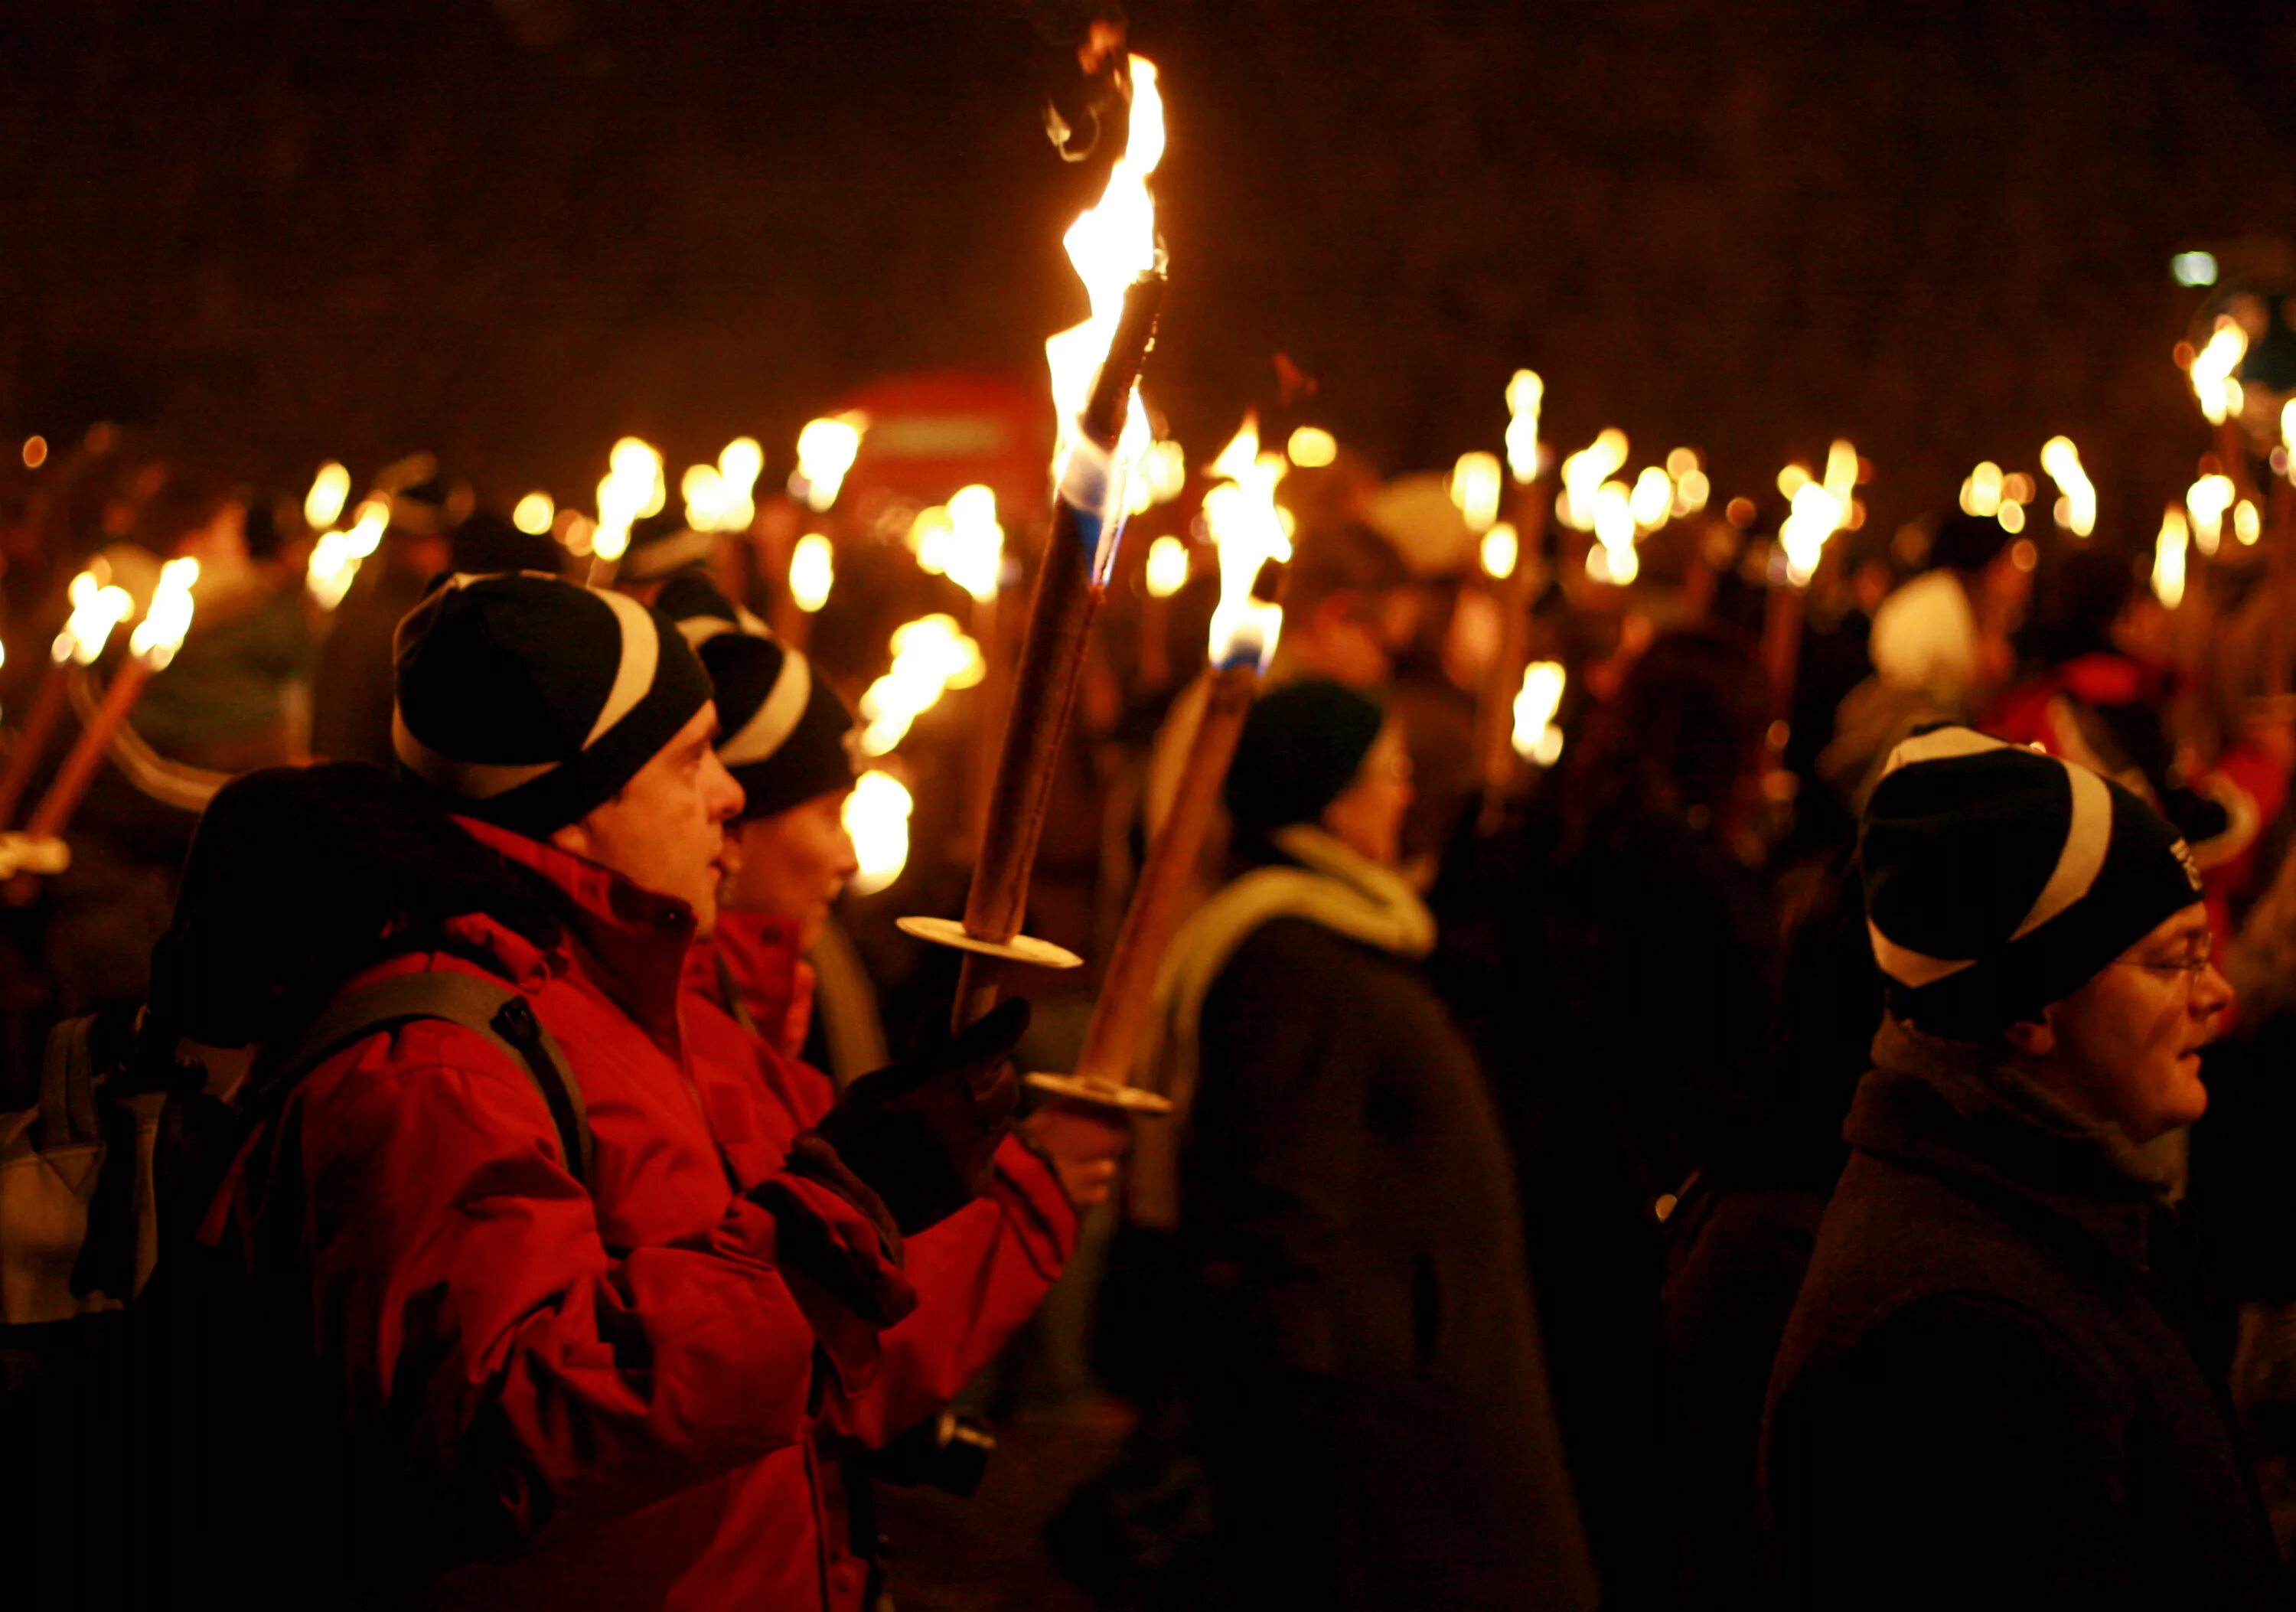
[{"x": 921, "y": 1133}]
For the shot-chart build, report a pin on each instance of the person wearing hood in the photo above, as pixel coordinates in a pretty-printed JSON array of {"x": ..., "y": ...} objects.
[
  {"x": 787, "y": 738},
  {"x": 1998, "y": 1385},
  {"x": 482, "y": 1371},
  {"x": 1366, "y": 1359}
]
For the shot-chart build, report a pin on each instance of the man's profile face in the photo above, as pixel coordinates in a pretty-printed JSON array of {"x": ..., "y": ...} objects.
[
  {"x": 665, "y": 831},
  {"x": 2128, "y": 1041}
]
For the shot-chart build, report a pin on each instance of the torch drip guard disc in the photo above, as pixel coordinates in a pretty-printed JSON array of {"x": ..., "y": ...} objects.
[
  {"x": 1019, "y": 949},
  {"x": 1108, "y": 1094}
]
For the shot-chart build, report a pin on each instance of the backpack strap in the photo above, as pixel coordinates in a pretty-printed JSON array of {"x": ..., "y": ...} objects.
[
  {"x": 68, "y": 1085},
  {"x": 492, "y": 1008}
]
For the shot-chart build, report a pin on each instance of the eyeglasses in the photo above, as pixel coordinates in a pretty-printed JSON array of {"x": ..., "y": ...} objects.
[{"x": 2192, "y": 965}]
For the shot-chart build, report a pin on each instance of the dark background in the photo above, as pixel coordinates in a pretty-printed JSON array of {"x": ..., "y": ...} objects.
[{"x": 511, "y": 231}]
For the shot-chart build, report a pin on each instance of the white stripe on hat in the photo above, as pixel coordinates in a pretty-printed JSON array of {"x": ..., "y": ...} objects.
[
  {"x": 654, "y": 561},
  {"x": 472, "y": 780},
  {"x": 698, "y": 631},
  {"x": 1910, "y": 967},
  {"x": 776, "y": 718},
  {"x": 2082, "y": 857},
  {"x": 641, "y": 655},
  {"x": 1941, "y": 745}
]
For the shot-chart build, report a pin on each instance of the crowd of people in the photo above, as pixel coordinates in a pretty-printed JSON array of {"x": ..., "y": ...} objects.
[{"x": 1801, "y": 1147}]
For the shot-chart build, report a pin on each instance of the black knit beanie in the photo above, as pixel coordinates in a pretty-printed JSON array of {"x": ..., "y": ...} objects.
[
  {"x": 784, "y": 733},
  {"x": 1998, "y": 879},
  {"x": 528, "y": 701},
  {"x": 662, "y": 546},
  {"x": 1302, "y": 745}
]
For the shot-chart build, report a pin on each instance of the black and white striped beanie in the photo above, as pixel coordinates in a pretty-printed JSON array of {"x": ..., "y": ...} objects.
[
  {"x": 1998, "y": 879},
  {"x": 784, "y": 733},
  {"x": 663, "y": 546},
  {"x": 528, "y": 701}
]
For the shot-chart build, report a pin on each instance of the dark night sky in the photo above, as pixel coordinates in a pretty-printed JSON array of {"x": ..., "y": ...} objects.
[{"x": 511, "y": 232}]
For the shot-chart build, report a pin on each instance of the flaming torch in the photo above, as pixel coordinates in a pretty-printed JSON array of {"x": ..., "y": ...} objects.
[
  {"x": 150, "y": 647},
  {"x": 98, "y": 605},
  {"x": 1103, "y": 430},
  {"x": 1816, "y": 511},
  {"x": 1248, "y": 528},
  {"x": 1510, "y": 559}
]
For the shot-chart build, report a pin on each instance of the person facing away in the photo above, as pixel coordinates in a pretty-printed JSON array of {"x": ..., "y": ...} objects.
[
  {"x": 1366, "y": 1366},
  {"x": 1995, "y": 1389},
  {"x": 487, "y": 1380},
  {"x": 787, "y": 739}
]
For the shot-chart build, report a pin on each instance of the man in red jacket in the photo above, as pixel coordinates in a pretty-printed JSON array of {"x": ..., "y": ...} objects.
[
  {"x": 525, "y": 1387},
  {"x": 786, "y": 738}
]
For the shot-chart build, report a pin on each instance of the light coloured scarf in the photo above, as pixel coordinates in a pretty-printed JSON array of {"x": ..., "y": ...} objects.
[{"x": 1340, "y": 889}]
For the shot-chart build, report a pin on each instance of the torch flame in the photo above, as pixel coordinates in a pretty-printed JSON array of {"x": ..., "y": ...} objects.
[
  {"x": 533, "y": 513},
  {"x": 2168, "y": 557},
  {"x": 1475, "y": 489},
  {"x": 825, "y": 451},
  {"x": 1537, "y": 738},
  {"x": 930, "y": 655},
  {"x": 168, "y": 617},
  {"x": 876, "y": 814},
  {"x": 1110, "y": 244},
  {"x": 2213, "y": 367},
  {"x": 976, "y": 542},
  {"x": 2076, "y": 509},
  {"x": 1525, "y": 394},
  {"x": 1585, "y": 471},
  {"x": 1813, "y": 517},
  {"x": 98, "y": 605},
  {"x": 1247, "y": 531},
  {"x": 2209, "y": 498},
  {"x": 324, "y": 501},
  {"x": 1502, "y": 548},
  {"x": 1167, "y": 570},
  {"x": 812, "y": 571},
  {"x": 633, "y": 488}
]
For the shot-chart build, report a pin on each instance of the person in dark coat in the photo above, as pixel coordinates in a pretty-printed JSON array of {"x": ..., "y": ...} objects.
[
  {"x": 1992, "y": 1392},
  {"x": 1366, "y": 1368}
]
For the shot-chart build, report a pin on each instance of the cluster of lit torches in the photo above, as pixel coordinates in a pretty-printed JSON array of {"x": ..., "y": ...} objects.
[{"x": 1107, "y": 466}]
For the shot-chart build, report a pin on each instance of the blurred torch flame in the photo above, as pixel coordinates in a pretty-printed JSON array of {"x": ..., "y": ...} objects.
[
  {"x": 1312, "y": 447},
  {"x": 632, "y": 489},
  {"x": 825, "y": 451},
  {"x": 1525, "y": 394},
  {"x": 877, "y": 817},
  {"x": 930, "y": 655},
  {"x": 718, "y": 496},
  {"x": 160, "y": 633},
  {"x": 334, "y": 563},
  {"x": 1111, "y": 244},
  {"x": 2213, "y": 367},
  {"x": 1501, "y": 549},
  {"x": 2168, "y": 557},
  {"x": 1652, "y": 498},
  {"x": 534, "y": 513},
  {"x": 812, "y": 571},
  {"x": 1691, "y": 487},
  {"x": 2209, "y": 498},
  {"x": 1537, "y": 738},
  {"x": 1817, "y": 510},
  {"x": 1475, "y": 487},
  {"x": 2247, "y": 522},
  {"x": 329, "y": 489},
  {"x": 1249, "y": 530},
  {"x": 1585, "y": 471},
  {"x": 2075, "y": 507},
  {"x": 976, "y": 542},
  {"x": 98, "y": 605},
  {"x": 1167, "y": 569}
]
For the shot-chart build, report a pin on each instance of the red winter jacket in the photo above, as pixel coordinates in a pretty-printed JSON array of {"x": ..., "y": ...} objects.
[
  {"x": 495, "y": 1357},
  {"x": 978, "y": 1276}
]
